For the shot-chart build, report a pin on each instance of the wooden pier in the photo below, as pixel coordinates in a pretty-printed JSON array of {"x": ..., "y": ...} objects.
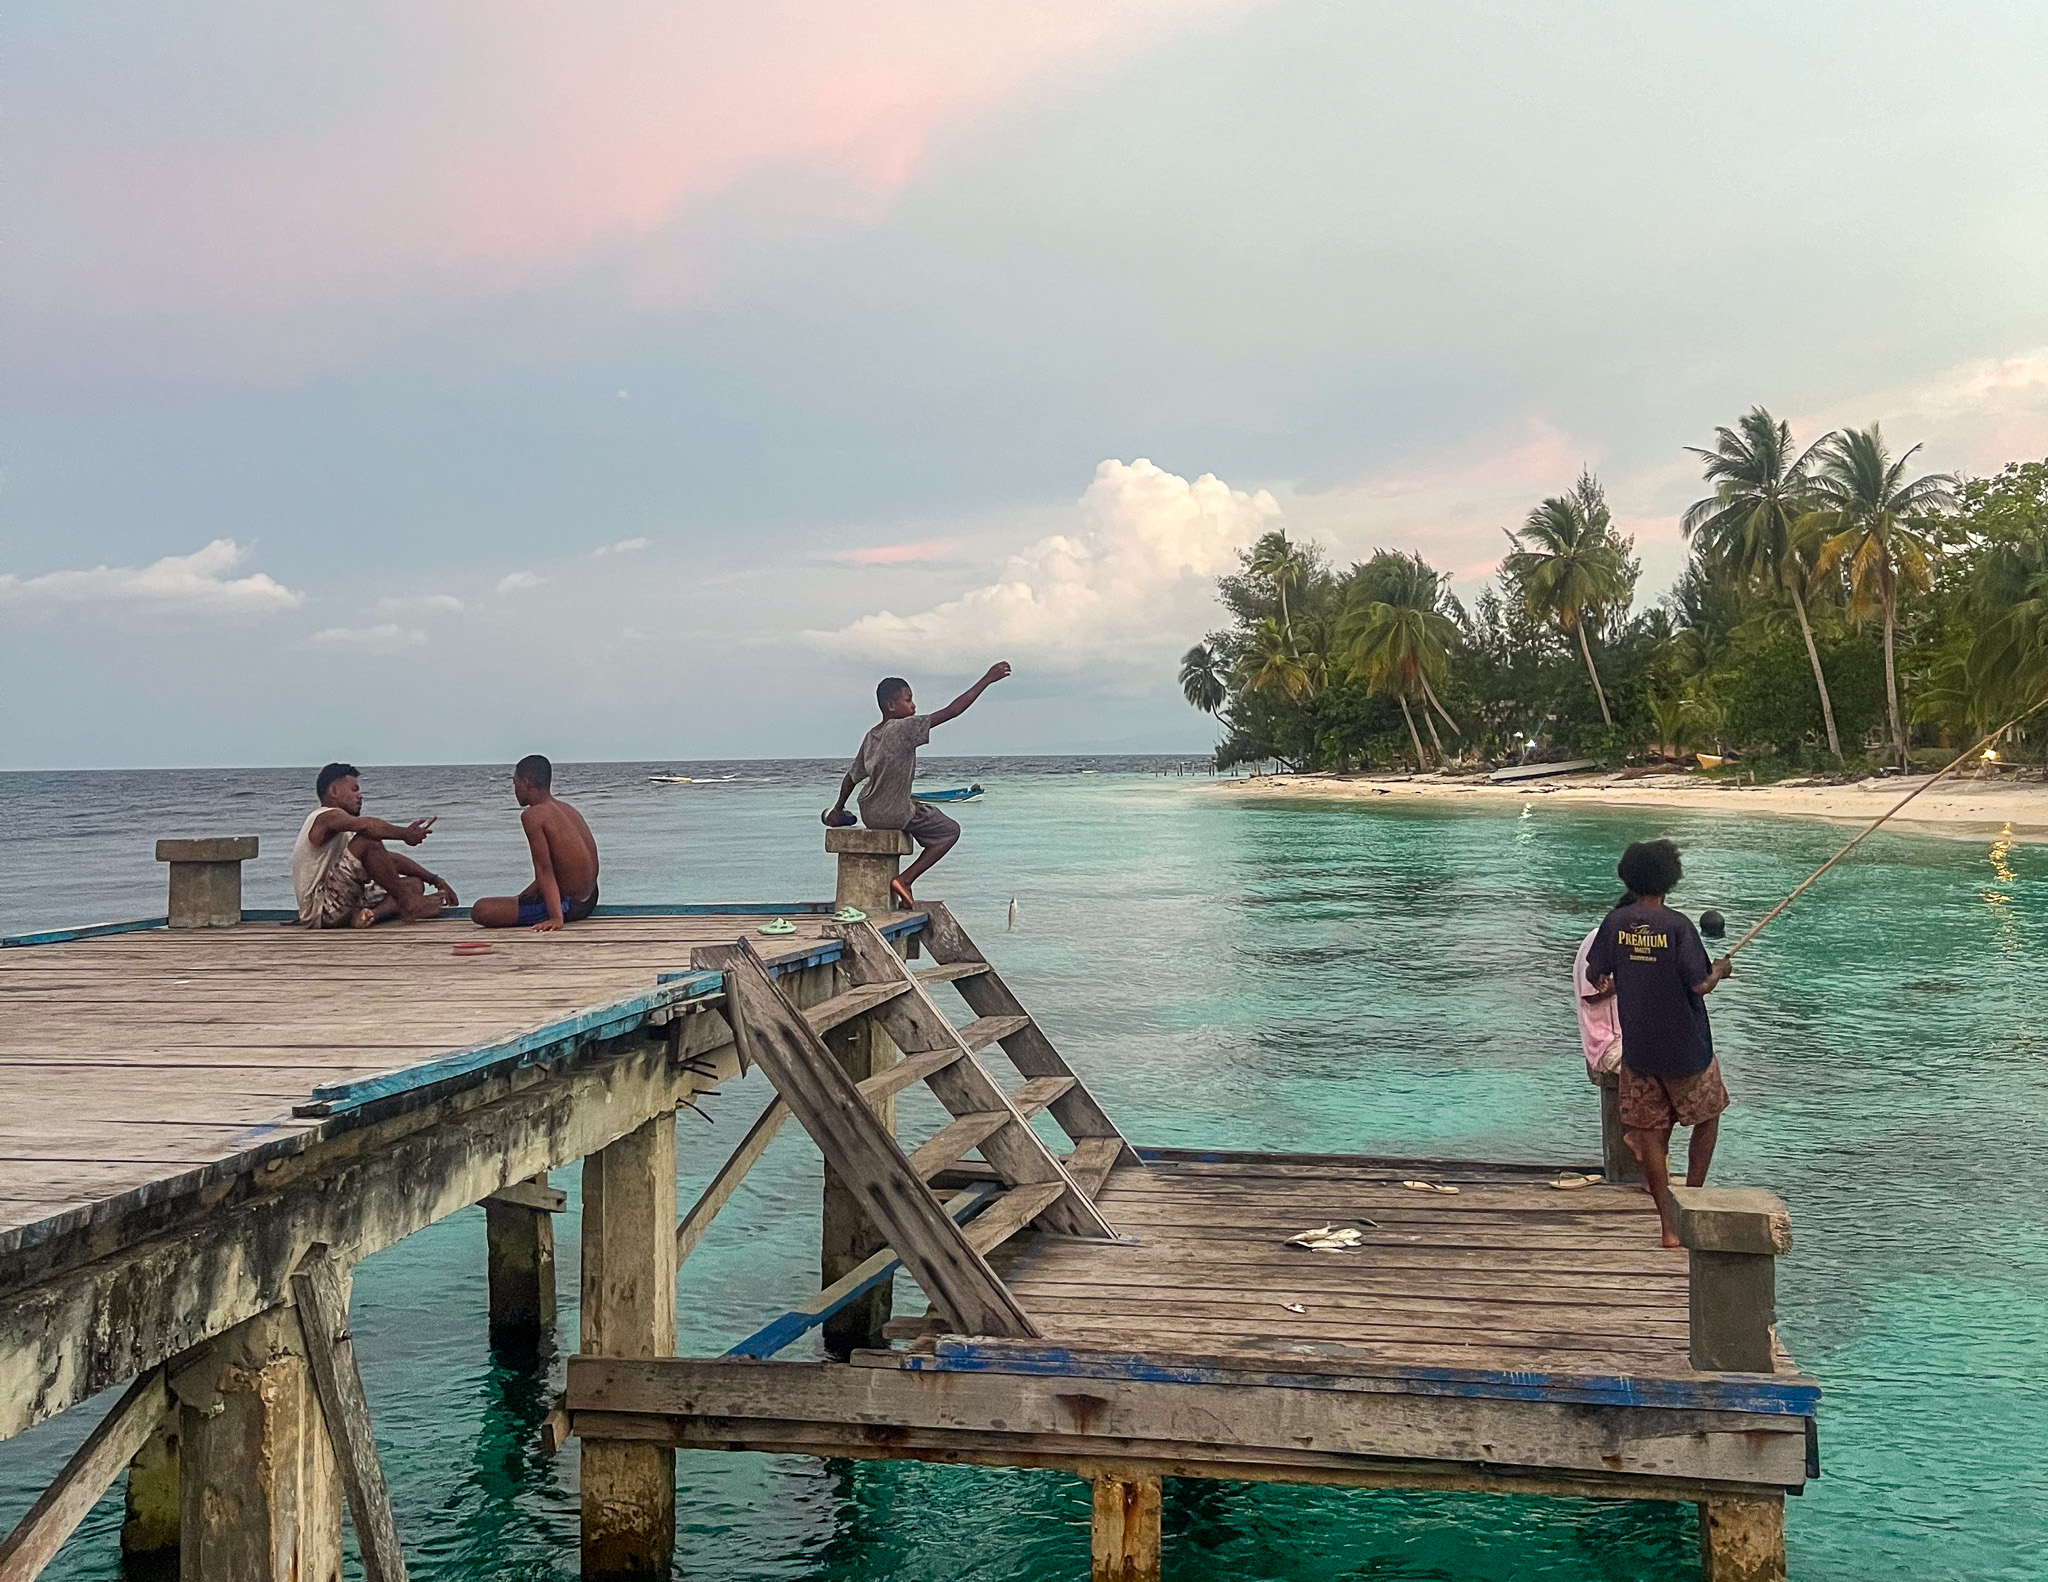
[{"x": 214, "y": 1115}]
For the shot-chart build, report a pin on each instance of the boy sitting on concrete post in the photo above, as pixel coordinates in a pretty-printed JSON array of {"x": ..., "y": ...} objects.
[
  {"x": 564, "y": 888},
  {"x": 887, "y": 761}
]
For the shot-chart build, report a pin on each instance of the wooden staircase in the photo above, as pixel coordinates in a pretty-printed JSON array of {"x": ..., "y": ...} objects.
[{"x": 1033, "y": 1186}]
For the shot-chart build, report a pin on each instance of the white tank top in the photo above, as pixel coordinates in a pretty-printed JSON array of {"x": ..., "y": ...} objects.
[{"x": 310, "y": 863}]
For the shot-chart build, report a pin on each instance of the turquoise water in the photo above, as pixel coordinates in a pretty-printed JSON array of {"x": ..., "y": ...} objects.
[{"x": 1308, "y": 977}]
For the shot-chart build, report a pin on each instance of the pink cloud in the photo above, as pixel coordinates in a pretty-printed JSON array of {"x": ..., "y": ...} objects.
[
  {"x": 898, "y": 554},
  {"x": 323, "y": 178}
]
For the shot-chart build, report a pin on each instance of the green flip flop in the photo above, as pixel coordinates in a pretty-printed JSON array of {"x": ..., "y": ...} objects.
[
  {"x": 849, "y": 914},
  {"x": 780, "y": 925}
]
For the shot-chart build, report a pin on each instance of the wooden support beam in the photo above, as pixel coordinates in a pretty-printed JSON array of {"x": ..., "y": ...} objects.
[
  {"x": 1123, "y": 1531},
  {"x": 719, "y": 1190},
  {"x": 1733, "y": 1237},
  {"x": 519, "y": 1237},
  {"x": 331, "y": 1355},
  {"x": 91, "y": 1470},
  {"x": 1742, "y": 1540},
  {"x": 757, "y": 1403},
  {"x": 629, "y": 1310}
]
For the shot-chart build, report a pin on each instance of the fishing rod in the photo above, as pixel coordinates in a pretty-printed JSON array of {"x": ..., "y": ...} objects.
[{"x": 1954, "y": 763}]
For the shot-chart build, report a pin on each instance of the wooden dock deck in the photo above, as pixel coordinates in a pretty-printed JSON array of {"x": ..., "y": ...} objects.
[{"x": 209, "y": 1126}]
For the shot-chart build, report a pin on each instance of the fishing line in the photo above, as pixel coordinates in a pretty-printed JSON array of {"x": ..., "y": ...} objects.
[{"x": 1954, "y": 763}]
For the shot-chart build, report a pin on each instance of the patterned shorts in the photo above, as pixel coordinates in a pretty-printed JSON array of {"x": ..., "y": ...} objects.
[
  {"x": 1652, "y": 1104},
  {"x": 342, "y": 892}
]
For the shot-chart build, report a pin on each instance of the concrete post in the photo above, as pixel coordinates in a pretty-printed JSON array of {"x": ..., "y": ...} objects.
[
  {"x": 868, "y": 860},
  {"x": 260, "y": 1496},
  {"x": 206, "y": 879},
  {"x": 1734, "y": 1236},
  {"x": 629, "y": 1310},
  {"x": 519, "y": 1231},
  {"x": 149, "y": 1523},
  {"x": 1618, "y": 1161},
  {"x": 1123, "y": 1535}
]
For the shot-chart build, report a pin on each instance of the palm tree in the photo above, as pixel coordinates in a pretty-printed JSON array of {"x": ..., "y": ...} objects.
[
  {"x": 1876, "y": 524},
  {"x": 1201, "y": 679},
  {"x": 1272, "y": 666},
  {"x": 1398, "y": 643},
  {"x": 1282, "y": 564},
  {"x": 1754, "y": 520},
  {"x": 1570, "y": 568}
]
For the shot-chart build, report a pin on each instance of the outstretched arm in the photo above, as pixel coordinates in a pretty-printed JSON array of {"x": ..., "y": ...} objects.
[
  {"x": 335, "y": 822},
  {"x": 961, "y": 704}
]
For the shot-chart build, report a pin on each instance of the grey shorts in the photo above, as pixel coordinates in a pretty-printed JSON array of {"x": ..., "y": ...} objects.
[{"x": 929, "y": 827}]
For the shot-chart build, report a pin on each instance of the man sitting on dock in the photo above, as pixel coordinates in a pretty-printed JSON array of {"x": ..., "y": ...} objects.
[
  {"x": 343, "y": 875},
  {"x": 887, "y": 761},
  {"x": 564, "y": 888},
  {"x": 1652, "y": 958}
]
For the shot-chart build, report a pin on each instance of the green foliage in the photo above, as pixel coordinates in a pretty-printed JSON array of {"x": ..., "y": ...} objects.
[{"x": 1793, "y": 554}]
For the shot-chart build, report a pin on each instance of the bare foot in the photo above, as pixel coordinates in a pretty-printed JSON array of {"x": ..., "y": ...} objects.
[
  {"x": 902, "y": 893},
  {"x": 1671, "y": 1238},
  {"x": 366, "y": 917}
]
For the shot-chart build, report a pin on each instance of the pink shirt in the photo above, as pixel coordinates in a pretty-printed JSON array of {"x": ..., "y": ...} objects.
[{"x": 1599, "y": 1021}]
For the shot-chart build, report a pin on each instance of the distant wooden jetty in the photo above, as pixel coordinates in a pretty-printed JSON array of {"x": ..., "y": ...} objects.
[{"x": 211, "y": 1118}]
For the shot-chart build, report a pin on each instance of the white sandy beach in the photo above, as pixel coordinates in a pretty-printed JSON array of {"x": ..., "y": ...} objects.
[{"x": 1971, "y": 807}]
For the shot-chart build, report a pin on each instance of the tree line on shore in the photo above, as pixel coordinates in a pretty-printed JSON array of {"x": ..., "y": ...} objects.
[{"x": 1835, "y": 612}]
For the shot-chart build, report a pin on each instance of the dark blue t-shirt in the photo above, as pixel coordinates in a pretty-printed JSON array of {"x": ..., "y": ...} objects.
[{"x": 1655, "y": 957}]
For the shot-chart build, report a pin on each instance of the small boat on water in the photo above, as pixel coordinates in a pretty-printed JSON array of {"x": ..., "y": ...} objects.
[
  {"x": 671, "y": 780},
  {"x": 956, "y": 794}
]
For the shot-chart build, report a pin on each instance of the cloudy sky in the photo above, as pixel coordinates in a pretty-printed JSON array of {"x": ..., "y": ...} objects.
[{"x": 442, "y": 381}]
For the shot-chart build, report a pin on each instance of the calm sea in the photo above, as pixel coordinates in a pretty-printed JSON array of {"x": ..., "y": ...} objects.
[{"x": 1320, "y": 978}]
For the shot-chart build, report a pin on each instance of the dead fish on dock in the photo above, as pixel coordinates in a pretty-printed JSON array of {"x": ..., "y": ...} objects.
[
  {"x": 1328, "y": 1238},
  {"x": 1294, "y": 1307},
  {"x": 1427, "y": 1186}
]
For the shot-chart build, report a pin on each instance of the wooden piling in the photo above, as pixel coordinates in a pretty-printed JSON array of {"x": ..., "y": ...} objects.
[
  {"x": 629, "y": 1310},
  {"x": 259, "y": 1491},
  {"x": 1743, "y": 1540},
  {"x": 519, "y": 1231},
  {"x": 867, "y": 860},
  {"x": 1618, "y": 1161},
  {"x": 1123, "y": 1534}
]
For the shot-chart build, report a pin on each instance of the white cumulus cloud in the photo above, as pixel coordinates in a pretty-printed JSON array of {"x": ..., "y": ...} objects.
[
  {"x": 1133, "y": 583},
  {"x": 518, "y": 581},
  {"x": 197, "y": 583},
  {"x": 624, "y": 546},
  {"x": 386, "y": 639},
  {"x": 420, "y": 604}
]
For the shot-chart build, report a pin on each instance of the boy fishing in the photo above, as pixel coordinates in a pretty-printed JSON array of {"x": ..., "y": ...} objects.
[
  {"x": 887, "y": 762},
  {"x": 1652, "y": 960},
  {"x": 564, "y": 888}
]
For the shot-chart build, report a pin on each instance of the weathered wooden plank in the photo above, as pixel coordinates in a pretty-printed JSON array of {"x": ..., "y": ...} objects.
[
  {"x": 978, "y": 1034},
  {"x": 331, "y": 1357},
  {"x": 953, "y": 973},
  {"x": 92, "y": 1468},
  {"x": 719, "y": 1190},
  {"x": 1123, "y": 1529},
  {"x": 954, "y": 1141},
  {"x": 842, "y": 1008},
  {"x": 1092, "y": 1160},
  {"x": 911, "y": 1069},
  {"x": 832, "y": 1110},
  {"x": 1722, "y": 1446},
  {"x": 1011, "y": 1212}
]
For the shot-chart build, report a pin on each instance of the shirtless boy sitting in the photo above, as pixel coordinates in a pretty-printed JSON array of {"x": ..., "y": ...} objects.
[
  {"x": 564, "y": 888},
  {"x": 341, "y": 872}
]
